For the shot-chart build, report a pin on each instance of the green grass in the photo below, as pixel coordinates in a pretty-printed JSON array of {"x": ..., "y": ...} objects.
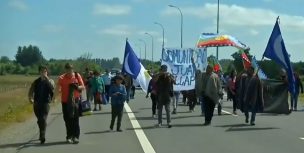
[{"x": 14, "y": 103}]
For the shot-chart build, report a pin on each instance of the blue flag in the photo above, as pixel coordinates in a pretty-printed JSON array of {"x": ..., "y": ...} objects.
[
  {"x": 276, "y": 51},
  {"x": 133, "y": 67}
]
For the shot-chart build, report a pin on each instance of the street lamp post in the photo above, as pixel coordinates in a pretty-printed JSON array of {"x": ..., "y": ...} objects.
[
  {"x": 145, "y": 48},
  {"x": 139, "y": 50},
  {"x": 163, "y": 45},
  {"x": 152, "y": 43},
  {"x": 217, "y": 24},
  {"x": 181, "y": 22}
]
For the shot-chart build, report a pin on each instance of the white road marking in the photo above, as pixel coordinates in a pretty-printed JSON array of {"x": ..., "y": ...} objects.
[
  {"x": 302, "y": 138},
  {"x": 144, "y": 142},
  {"x": 227, "y": 112}
]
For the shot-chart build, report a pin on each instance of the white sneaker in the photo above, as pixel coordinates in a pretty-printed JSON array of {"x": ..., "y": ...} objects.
[{"x": 69, "y": 141}]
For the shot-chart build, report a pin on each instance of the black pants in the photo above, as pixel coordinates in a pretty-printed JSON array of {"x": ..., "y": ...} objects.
[
  {"x": 107, "y": 89},
  {"x": 117, "y": 111},
  {"x": 209, "y": 108},
  {"x": 154, "y": 103},
  {"x": 192, "y": 99},
  {"x": 234, "y": 102},
  {"x": 41, "y": 111},
  {"x": 71, "y": 123}
]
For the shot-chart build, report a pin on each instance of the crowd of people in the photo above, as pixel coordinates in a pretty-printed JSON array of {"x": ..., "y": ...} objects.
[{"x": 244, "y": 89}]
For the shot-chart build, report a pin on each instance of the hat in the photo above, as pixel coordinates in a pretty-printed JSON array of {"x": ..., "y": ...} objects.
[{"x": 68, "y": 66}]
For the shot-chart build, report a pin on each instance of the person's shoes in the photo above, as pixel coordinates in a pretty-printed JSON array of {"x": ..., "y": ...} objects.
[
  {"x": 246, "y": 120},
  {"x": 252, "y": 123},
  {"x": 159, "y": 125},
  {"x": 75, "y": 140},
  {"x": 94, "y": 109},
  {"x": 234, "y": 113},
  {"x": 206, "y": 123},
  {"x": 42, "y": 140},
  {"x": 119, "y": 130},
  {"x": 69, "y": 140},
  {"x": 174, "y": 111},
  {"x": 169, "y": 126}
]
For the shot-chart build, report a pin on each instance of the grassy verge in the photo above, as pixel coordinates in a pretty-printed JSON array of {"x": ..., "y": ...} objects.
[{"x": 14, "y": 104}]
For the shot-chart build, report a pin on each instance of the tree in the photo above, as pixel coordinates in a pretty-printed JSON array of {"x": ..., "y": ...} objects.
[
  {"x": 28, "y": 56},
  {"x": 4, "y": 59}
]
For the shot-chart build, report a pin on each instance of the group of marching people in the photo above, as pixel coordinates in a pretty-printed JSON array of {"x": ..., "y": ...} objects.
[
  {"x": 244, "y": 89},
  {"x": 71, "y": 85}
]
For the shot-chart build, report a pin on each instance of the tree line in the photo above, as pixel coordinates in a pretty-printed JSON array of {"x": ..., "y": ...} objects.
[{"x": 28, "y": 58}]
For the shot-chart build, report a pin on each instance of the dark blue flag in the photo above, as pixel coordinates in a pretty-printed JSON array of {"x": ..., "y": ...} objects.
[
  {"x": 276, "y": 51},
  {"x": 133, "y": 67}
]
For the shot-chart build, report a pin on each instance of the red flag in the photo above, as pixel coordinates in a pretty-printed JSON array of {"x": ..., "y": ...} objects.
[
  {"x": 216, "y": 68},
  {"x": 246, "y": 61}
]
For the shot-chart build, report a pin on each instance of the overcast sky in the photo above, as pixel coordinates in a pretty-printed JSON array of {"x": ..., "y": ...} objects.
[{"x": 69, "y": 28}]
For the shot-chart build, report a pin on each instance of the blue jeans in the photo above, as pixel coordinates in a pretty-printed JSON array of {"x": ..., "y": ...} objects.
[
  {"x": 253, "y": 114},
  {"x": 128, "y": 94}
]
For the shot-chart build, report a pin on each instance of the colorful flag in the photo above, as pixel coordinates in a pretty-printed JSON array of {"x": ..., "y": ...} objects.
[
  {"x": 216, "y": 40},
  {"x": 246, "y": 61},
  {"x": 276, "y": 51},
  {"x": 133, "y": 67},
  {"x": 257, "y": 69}
]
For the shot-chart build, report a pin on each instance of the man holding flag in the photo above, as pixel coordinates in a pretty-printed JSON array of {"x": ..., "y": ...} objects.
[{"x": 276, "y": 51}]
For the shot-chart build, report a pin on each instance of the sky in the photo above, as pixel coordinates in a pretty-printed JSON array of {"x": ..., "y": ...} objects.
[{"x": 67, "y": 29}]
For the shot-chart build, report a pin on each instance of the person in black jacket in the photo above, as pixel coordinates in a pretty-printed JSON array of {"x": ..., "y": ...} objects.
[{"x": 41, "y": 94}]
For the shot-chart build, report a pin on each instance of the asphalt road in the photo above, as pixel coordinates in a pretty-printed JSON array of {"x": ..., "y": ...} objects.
[{"x": 227, "y": 133}]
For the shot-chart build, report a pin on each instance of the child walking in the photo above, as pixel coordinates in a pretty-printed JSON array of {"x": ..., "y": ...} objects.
[{"x": 118, "y": 95}]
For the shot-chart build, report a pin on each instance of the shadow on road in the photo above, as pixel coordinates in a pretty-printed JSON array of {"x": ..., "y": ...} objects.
[
  {"x": 97, "y": 132},
  {"x": 232, "y": 129},
  {"x": 145, "y": 108},
  {"x": 100, "y": 113},
  {"x": 244, "y": 127},
  {"x": 32, "y": 143},
  {"x": 165, "y": 126},
  {"x": 181, "y": 117},
  {"x": 232, "y": 125}
]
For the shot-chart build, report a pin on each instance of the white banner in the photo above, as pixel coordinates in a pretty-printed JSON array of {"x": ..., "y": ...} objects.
[{"x": 181, "y": 66}]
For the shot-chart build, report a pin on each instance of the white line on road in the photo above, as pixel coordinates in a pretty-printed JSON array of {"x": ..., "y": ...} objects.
[
  {"x": 144, "y": 142},
  {"x": 227, "y": 112},
  {"x": 302, "y": 138}
]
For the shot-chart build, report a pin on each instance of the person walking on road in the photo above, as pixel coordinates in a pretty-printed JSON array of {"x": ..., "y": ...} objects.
[
  {"x": 294, "y": 98},
  {"x": 211, "y": 92},
  {"x": 152, "y": 90},
  {"x": 70, "y": 86},
  {"x": 175, "y": 101},
  {"x": 253, "y": 96},
  {"x": 41, "y": 94},
  {"x": 118, "y": 95},
  {"x": 164, "y": 85},
  {"x": 97, "y": 89},
  {"x": 107, "y": 81},
  {"x": 232, "y": 90},
  {"x": 128, "y": 84}
]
